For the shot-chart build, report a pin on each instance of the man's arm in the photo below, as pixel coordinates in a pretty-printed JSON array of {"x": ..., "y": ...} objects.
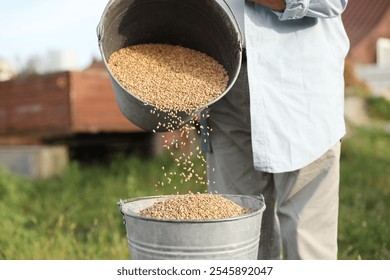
[
  {"x": 276, "y": 5},
  {"x": 295, "y": 9}
]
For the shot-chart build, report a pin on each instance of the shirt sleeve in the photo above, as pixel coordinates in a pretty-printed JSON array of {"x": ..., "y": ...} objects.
[{"x": 296, "y": 9}]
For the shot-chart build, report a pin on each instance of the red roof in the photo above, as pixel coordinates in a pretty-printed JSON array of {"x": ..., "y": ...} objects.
[{"x": 362, "y": 16}]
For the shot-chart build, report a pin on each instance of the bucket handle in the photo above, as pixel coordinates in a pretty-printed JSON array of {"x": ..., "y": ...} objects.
[
  {"x": 99, "y": 28},
  {"x": 234, "y": 18},
  {"x": 120, "y": 204}
]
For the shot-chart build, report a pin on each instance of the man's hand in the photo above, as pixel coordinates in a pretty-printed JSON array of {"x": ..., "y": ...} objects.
[{"x": 276, "y": 5}]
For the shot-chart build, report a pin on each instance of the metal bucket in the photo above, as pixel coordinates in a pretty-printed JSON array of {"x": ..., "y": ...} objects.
[
  {"x": 231, "y": 238},
  {"x": 202, "y": 25}
]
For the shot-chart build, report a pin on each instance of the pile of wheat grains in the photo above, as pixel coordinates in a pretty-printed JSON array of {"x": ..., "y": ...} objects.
[
  {"x": 194, "y": 207},
  {"x": 172, "y": 78}
]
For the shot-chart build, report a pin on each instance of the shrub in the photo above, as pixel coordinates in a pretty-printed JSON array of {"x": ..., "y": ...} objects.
[{"x": 378, "y": 107}]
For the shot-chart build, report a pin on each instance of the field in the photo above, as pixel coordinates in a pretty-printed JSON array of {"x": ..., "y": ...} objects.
[{"x": 75, "y": 215}]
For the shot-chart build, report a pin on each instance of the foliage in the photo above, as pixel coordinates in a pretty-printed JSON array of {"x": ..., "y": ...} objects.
[
  {"x": 354, "y": 85},
  {"x": 379, "y": 107}
]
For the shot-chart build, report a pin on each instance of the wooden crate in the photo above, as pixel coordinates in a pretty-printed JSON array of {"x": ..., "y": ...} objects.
[{"x": 63, "y": 103}]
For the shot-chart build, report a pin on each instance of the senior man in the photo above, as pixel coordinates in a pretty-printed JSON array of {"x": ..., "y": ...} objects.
[{"x": 278, "y": 131}]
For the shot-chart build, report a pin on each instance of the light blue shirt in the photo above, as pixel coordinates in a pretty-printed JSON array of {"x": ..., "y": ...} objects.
[{"x": 295, "y": 65}]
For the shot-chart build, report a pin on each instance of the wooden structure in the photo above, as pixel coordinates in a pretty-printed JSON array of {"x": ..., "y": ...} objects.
[{"x": 61, "y": 104}]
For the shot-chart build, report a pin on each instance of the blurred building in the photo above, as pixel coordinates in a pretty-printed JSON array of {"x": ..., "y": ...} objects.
[
  {"x": 366, "y": 23},
  {"x": 368, "y": 27},
  {"x": 61, "y": 104},
  {"x": 76, "y": 111}
]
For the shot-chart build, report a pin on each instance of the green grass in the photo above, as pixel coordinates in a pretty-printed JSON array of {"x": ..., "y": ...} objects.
[
  {"x": 379, "y": 107},
  {"x": 364, "y": 228},
  {"x": 74, "y": 216}
]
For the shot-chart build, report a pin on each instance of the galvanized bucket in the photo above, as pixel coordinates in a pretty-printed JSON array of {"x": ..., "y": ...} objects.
[
  {"x": 202, "y": 25},
  {"x": 231, "y": 238}
]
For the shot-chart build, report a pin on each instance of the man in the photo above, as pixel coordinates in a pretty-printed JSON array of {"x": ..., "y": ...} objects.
[{"x": 278, "y": 131}]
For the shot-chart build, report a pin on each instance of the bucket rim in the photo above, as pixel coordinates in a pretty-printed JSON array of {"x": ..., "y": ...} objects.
[{"x": 121, "y": 203}]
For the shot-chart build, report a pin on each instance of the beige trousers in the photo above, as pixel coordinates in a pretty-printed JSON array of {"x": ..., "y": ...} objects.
[{"x": 300, "y": 220}]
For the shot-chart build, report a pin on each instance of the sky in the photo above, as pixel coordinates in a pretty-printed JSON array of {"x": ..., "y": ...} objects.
[{"x": 34, "y": 27}]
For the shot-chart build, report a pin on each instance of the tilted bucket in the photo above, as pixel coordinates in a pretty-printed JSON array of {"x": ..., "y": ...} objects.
[
  {"x": 231, "y": 238},
  {"x": 202, "y": 25}
]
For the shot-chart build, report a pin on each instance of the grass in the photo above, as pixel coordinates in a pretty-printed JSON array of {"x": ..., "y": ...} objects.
[
  {"x": 74, "y": 216},
  {"x": 379, "y": 107},
  {"x": 364, "y": 229}
]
